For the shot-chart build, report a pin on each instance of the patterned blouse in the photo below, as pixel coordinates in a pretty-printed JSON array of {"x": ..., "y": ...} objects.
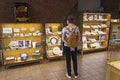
[{"x": 67, "y": 31}]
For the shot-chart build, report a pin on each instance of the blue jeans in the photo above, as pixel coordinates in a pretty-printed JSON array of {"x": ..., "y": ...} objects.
[{"x": 71, "y": 54}]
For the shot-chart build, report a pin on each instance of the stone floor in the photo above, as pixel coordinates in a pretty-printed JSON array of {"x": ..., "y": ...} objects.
[{"x": 91, "y": 66}]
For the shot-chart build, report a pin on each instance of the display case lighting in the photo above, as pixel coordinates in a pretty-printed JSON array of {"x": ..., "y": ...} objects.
[{"x": 115, "y": 20}]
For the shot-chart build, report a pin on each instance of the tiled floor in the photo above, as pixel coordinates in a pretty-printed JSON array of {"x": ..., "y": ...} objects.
[{"x": 91, "y": 67}]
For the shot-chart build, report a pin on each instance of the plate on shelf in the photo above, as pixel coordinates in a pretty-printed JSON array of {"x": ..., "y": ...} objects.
[
  {"x": 56, "y": 50},
  {"x": 53, "y": 40}
]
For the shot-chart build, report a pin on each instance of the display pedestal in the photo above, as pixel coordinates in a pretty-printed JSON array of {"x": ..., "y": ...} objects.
[{"x": 113, "y": 71}]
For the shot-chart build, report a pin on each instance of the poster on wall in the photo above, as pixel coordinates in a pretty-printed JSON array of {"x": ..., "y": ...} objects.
[{"x": 21, "y": 12}]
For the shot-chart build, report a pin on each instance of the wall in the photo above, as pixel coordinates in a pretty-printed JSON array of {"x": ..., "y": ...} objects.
[
  {"x": 112, "y": 6},
  {"x": 54, "y": 10},
  {"x": 88, "y": 5},
  {"x": 39, "y": 10}
]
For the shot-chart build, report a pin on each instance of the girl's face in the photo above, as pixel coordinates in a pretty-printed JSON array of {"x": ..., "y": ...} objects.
[{"x": 70, "y": 24}]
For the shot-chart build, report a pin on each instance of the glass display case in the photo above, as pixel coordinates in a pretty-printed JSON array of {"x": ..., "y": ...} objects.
[
  {"x": 53, "y": 40},
  {"x": 21, "y": 43},
  {"x": 95, "y": 31}
]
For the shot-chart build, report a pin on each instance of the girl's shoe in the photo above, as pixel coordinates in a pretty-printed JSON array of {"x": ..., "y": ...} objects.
[
  {"x": 68, "y": 76},
  {"x": 76, "y": 76}
]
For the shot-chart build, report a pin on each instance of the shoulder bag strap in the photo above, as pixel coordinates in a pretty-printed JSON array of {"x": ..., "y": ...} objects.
[{"x": 72, "y": 31}]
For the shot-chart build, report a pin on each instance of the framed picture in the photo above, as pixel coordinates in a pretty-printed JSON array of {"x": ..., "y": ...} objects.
[
  {"x": 20, "y": 43},
  {"x": 27, "y": 43},
  {"x": 21, "y": 12}
]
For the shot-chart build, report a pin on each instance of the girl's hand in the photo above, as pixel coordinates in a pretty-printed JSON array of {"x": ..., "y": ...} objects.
[{"x": 72, "y": 49}]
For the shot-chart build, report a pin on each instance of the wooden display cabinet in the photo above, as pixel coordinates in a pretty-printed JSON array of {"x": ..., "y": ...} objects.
[
  {"x": 115, "y": 29},
  {"x": 22, "y": 43},
  {"x": 95, "y": 29},
  {"x": 53, "y": 40}
]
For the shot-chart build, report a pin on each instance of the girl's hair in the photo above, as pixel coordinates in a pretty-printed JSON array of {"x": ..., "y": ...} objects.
[{"x": 70, "y": 20}]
